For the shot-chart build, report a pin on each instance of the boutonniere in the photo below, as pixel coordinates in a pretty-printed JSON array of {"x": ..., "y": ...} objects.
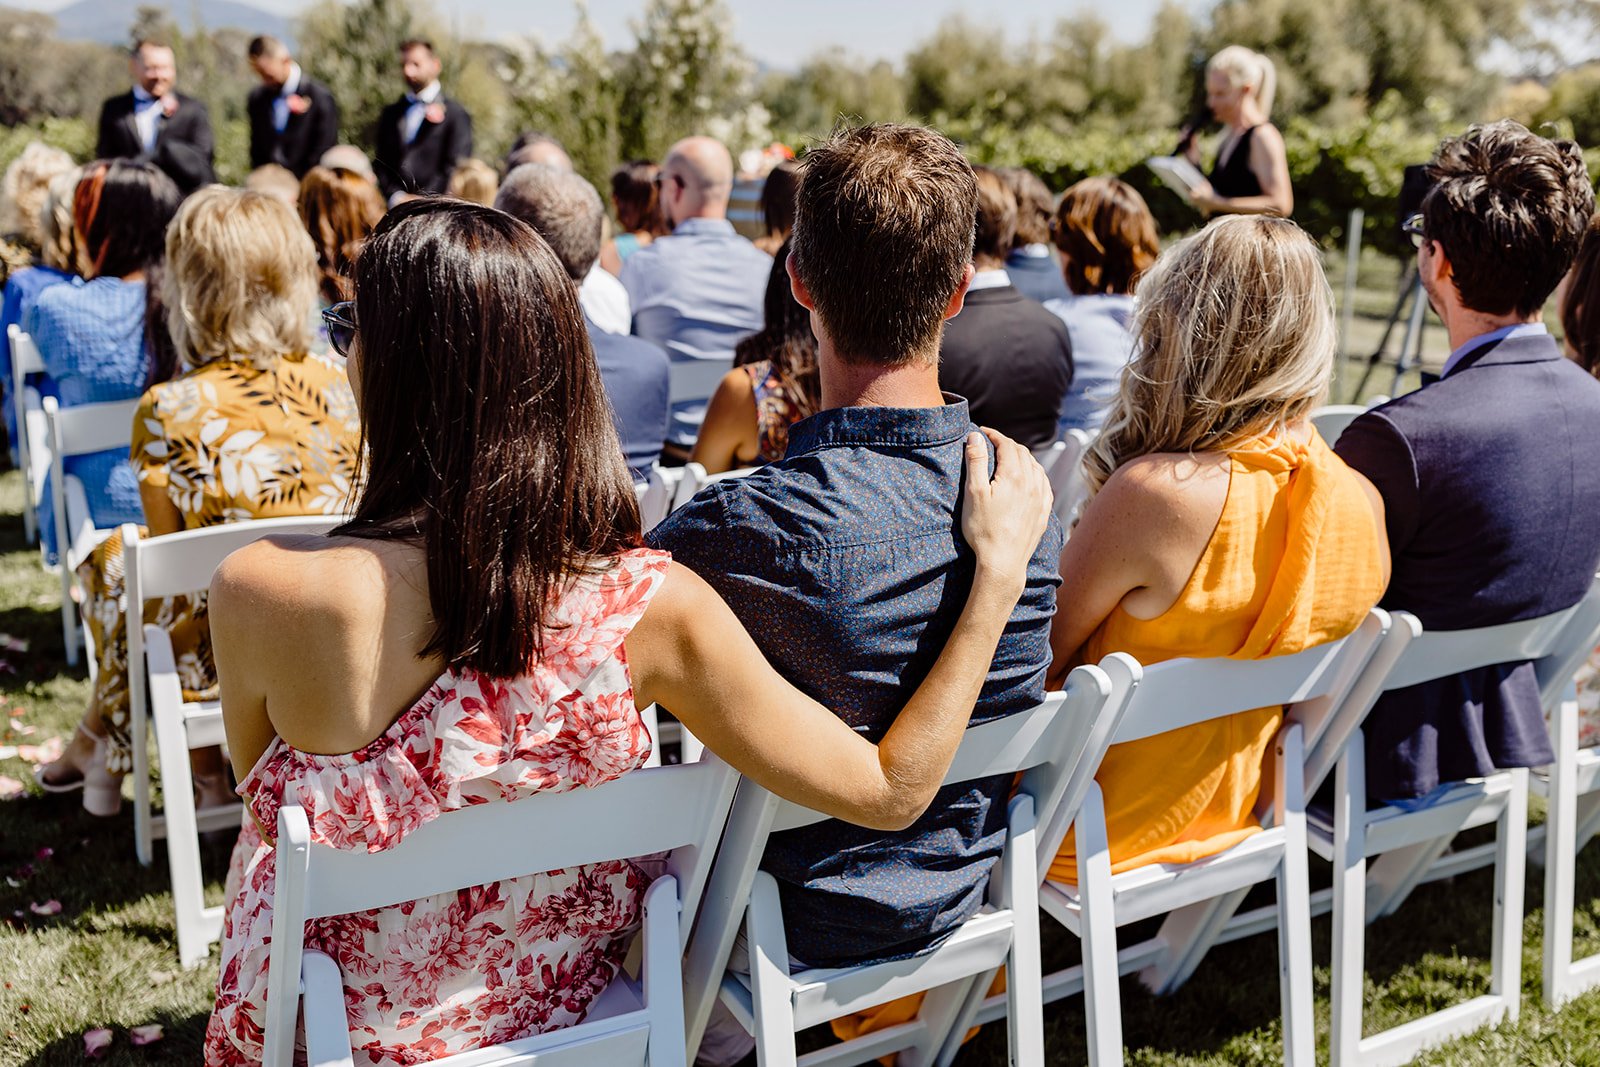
[
  {"x": 299, "y": 105},
  {"x": 434, "y": 114},
  {"x": 169, "y": 105}
]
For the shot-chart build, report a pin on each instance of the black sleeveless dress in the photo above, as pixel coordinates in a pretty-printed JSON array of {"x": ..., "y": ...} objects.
[{"x": 1232, "y": 176}]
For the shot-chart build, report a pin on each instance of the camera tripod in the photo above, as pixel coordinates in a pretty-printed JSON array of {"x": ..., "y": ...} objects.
[{"x": 1410, "y": 355}]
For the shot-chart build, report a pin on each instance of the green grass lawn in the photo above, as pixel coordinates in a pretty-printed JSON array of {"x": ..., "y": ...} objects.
[{"x": 109, "y": 958}]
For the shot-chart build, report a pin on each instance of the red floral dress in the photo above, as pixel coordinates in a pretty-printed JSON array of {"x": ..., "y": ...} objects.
[{"x": 451, "y": 972}]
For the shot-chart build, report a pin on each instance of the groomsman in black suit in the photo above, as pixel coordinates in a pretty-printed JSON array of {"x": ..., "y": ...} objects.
[
  {"x": 157, "y": 123},
  {"x": 293, "y": 117},
  {"x": 423, "y": 135}
]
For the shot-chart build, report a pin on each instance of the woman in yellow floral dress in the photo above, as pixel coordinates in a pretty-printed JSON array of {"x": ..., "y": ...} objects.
[{"x": 257, "y": 428}]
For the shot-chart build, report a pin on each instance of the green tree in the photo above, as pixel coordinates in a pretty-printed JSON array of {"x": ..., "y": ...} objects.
[
  {"x": 571, "y": 93},
  {"x": 686, "y": 75},
  {"x": 829, "y": 87}
]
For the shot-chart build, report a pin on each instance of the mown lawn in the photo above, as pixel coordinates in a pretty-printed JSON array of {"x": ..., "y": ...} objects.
[{"x": 108, "y": 959}]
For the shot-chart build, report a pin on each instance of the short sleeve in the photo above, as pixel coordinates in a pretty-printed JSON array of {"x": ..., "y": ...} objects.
[
  {"x": 1376, "y": 448},
  {"x": 150, "y": 452}
]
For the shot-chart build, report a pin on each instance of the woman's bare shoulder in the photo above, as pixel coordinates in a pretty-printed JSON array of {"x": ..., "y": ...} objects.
[{"x": 304, "y": 579}]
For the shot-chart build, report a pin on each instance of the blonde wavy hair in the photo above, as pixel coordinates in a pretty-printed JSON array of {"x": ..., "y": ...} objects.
[
  {"x": 1234, "y": 336},
  {"x": 23, "y": 189},
  {"x": 241, "y": 279},
  {"x": 60, "y": 245},
  {"x": 1244, "y": 66}
]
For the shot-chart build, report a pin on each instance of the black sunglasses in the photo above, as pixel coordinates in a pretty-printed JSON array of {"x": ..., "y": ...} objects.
[
  {"x": 1412, "y": 227},
  {"x": 676, "y": 179},
  {"x": 341, "y": 322}
]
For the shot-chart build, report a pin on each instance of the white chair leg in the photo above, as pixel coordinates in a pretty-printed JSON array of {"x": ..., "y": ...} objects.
[
  {"x": 143, "y": 823},
  {"x": 1587, "y": 821},
  {"x": 1024, "y": 966},
  {"x": 1510, "y": 866},
  {"x": 183, "y": 838},
  {"x": 69, "y": 609},
  {"x": 1349, "y": 907},
  {"x": 1560, "y": 857},
  {"x": 946, "y": 1016},
  {"x": 661, "y": 973},
  {"x": 1294, "y": 909},
  {"x": 769, "y": 976},
  {"x": 1102, "y": 998}
]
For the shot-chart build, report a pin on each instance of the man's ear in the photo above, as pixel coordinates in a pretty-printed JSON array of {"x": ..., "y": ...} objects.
[
  {"x": 802, "y": 295},
  {"x": 958, "y": 299}
]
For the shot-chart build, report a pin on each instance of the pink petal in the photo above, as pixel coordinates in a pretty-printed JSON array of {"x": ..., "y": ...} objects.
[
  {"x": 44, "y": 853},
  {"x": 49, "y": 907},
  {"x": 146, "y": 1035},
  {"x": 13, "y": 644},
  {"x": 10, "y": 788},
  {"x": 47, "y": 752},
  {"x": 95, "y": 1042}
]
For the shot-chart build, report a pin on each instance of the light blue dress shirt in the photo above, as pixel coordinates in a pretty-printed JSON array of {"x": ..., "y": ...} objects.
[
  {"x": 1526, "y": 329},
  {"x": 1102, "y": 345},
  {"x": 697, "y": 293}
]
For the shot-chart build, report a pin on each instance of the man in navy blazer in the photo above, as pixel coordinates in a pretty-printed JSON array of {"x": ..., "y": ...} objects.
[
  {"x": 424, "y": 134},
  {"x": 154, "y": 122},
  {"x": 1490, "y": 476},
  {"x": 294, "y": 119}
]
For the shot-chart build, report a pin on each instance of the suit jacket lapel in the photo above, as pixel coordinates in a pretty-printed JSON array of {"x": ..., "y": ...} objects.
[{"x": 131, "y": 123}]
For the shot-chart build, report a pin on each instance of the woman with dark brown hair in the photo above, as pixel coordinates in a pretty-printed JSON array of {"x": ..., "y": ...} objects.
[
  {"x": 1107, "y": 239},
  {"x": 339, "y": 209},
  {"x": 1579, "y": 301},
  {"x": 488, "y": 626},
  {"x": 772, "y": 386},
  {"x": 777, "y": 206},
  {"x": 635, "y": 201}
]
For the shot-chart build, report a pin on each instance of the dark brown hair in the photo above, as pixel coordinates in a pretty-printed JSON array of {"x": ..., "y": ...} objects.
[
  {"x": 1106, "y": 235},
  {"x": 1034, "y": 206},
  {"x": 1509, "y": 207},
  {"x": 785, "y": 339},
  {"x": 1580, "y": 308},
  {"x": 633, "y": 191},
  {"x": 485, "y": 425},
  {"x": 997, "y": 215},
  {"x": 882, "y": 236},
  {"x": 417, "y": 42},
  {"x": 339, "y": 210},
  {"x": 777, "y": 198},
  {"x": 121, "y": 209}
]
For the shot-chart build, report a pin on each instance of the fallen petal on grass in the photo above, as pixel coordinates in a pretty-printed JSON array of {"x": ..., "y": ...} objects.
[
  {"x": 47, "y": 751},
  {"x": 18, "y": 645},
  {"x": 11, "y": 788},
  {"x": 96, "y": 1042},
  {"x": 148, "y": 1034},
  {"x": 49, "y": 907}
]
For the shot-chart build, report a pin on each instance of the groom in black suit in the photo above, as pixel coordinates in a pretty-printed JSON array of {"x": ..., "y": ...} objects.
[
  {"x": 293, "y": 117},
  {"x": 156, "y": 123},
  {"x": 423, "y": 135}
]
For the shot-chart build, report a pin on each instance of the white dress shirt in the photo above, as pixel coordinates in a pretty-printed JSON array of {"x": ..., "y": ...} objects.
[
  {"x": 412, "y": 122},
  {"x": 147, "y": 117},
  {"x": 605, "y": 301},
  {"x": 989, "y": 279},
  {"x": 280, "y": 103}
]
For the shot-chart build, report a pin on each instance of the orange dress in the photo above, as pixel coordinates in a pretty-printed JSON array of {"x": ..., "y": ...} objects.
[{"x": 1296, "y": 560}]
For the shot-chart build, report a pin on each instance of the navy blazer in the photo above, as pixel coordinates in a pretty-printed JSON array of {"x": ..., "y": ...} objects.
[
  {"x": 635, "y": 373},
  {"x": 1491, "y": 488},
  {"x": 304, "y": 138},
  {"x": 424, "y": 165},
  {"x": 184, "y": 145}
]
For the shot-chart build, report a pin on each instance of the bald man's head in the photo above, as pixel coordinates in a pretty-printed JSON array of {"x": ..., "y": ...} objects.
[{"x": 696, "y": 180}]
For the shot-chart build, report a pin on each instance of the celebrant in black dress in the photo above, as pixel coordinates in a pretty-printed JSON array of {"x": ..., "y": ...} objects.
[{"x": 1251, "y": 173}]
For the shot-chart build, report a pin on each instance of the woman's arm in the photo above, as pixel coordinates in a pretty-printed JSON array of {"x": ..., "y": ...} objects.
[
  {"x": 1269, "y": 162},
  {"x": 728, "y": 437},
  {"x": 609, "y": 259},
  {"x": 690, "y": 654}
]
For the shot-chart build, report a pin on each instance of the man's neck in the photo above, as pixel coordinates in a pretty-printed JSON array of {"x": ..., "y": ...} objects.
[
  {"x": 715, "y": 212},
  {"x": 981, "y": 263},
  {"x": 1465, "y": 324},
  {"x": 914, "y": 384}
]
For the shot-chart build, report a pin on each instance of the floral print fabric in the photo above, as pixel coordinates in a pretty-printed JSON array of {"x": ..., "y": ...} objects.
[{"x": 452, "y": 972}]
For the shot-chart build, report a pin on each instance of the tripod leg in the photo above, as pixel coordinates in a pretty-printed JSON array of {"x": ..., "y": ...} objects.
[
  {"x": 1411, "y": 346},
  {"x": 1408, "y": 284}
]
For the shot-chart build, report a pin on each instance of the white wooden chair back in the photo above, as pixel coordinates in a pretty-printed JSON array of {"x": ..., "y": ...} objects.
[
  {"x": 660, "y": 492},
  {"x": 681, "y": 810},
  {"x": 1047, "y": 455},
  {"x": 1068, "y": 486},
  {"x": 1331, "y": 419},
  {"x": 75, "y": 431},
  {"x": 695, "y": 479},
  {"x": 1045, "y": 744},
  {"x": 32, "y": 444}
]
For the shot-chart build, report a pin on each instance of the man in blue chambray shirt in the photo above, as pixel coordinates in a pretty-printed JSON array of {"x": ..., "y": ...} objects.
[{"x": 845, "y": 559}]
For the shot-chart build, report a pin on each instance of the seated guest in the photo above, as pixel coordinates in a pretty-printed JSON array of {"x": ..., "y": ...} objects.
[
  {"x": 1488, "y": 474},
  {"x": 536, "y": 147},
  {"x": 1579, "y": 297},
  {"x": 349, "y": 158},
  {"x": 254, "y": 429},
  {"x": 564, "y": 209},
  {"x": 697, "y": 291},
  {"x": 274, "y": 180},
  {"x": 850, "y": 544},
  {"x": 638, "y": 211},
  {"x": 474, "y": 180},
  {"x": 1030, "y": 265},
  {"x": 1005, "y": 353},
  {"x": 772, "y": 386},
  {"x": 22, "y": 196},
  {"x": 487, "y": 626},
  {"x": 106, "y": 339},
  {"x": 777, "y": 206},
  {"x": 1220, "y": 524},
  {"x": 338, "y": 209},
  {"x": 59, "y": 260},
  {"x": 1107, "y": 239}
]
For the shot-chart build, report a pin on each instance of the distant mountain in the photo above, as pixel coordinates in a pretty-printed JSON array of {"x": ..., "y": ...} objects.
[{"x": 107, "y": 21}]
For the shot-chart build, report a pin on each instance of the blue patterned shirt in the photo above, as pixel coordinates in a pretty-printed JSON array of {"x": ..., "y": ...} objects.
[
  {"x": 845, "y": 562},
  {"x": 91, "y": 338},
  {"x": 22, "y": 289}
]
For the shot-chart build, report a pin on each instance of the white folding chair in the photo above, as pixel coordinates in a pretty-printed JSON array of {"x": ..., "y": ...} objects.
[
  {"x": 1047, "y": 455},
  {"x": 75, "y": 431},
  {"x": 695, "y": 479},
  {"x": 681, "y": 809},
  {"x": 1067, "y": 484},
  {"x": 1572, "y": 788},
  {"x": 774, "y": 1003},
  {"x": 1331, "y": 419},
  {"x": 157, "y": 567},
  {"x": 1170, "y": 696},
  {"x": 660, "y": 490},
  {"x": 32, "y": 445},
  {"x": 691, "y": 380}
]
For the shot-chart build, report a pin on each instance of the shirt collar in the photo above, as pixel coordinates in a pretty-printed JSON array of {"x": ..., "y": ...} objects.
[
  {"x": 858, "y": 426},
  {"x": 1526, "y": 329},
  {"x": 989, "y": 279},
  {"x": 427, "y": 96},
  {"x": 292, "y": 85},
  {"x": 141, "y": 98},
  {"x": 697, "y": 225},
  {"x": 1032, "y": 252}
]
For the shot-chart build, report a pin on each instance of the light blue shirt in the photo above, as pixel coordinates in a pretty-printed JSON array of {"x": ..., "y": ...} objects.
[
  {"x": 697, "y": 293},
  {"x": 1527, "y": 329},
  {"x": 1102, "y": 345},
  {"x": 146, "y": 117},
  {"x": 280, "y": 103}
]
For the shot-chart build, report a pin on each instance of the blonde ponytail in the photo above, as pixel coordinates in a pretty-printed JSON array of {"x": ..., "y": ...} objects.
[{"x": 1246, "y": 67}]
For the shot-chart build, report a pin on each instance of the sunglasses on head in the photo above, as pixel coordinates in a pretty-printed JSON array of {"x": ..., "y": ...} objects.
[{"x": 341, "y": 322}]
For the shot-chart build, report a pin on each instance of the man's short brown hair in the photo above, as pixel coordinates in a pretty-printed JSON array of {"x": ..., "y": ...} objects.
[
  {"x": 997, "y": 215},
  {"x": 884, "y": 218},
  {"x": 1035, "y": 205},
  {"x": 1509, "y": 208}
]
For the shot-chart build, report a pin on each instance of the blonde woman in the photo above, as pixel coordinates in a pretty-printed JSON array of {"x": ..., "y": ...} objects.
[
  {"x": 1251, "y": 172},
  {"x": 255, "y": 428},
  {"x": 22, "y": 195},
  {"x": 1220, "y": 523},
  {"x": 60, "y": 260}
]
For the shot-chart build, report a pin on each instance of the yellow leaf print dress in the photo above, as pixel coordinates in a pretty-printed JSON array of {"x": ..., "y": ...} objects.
[{"x": 228, "y": 441}]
